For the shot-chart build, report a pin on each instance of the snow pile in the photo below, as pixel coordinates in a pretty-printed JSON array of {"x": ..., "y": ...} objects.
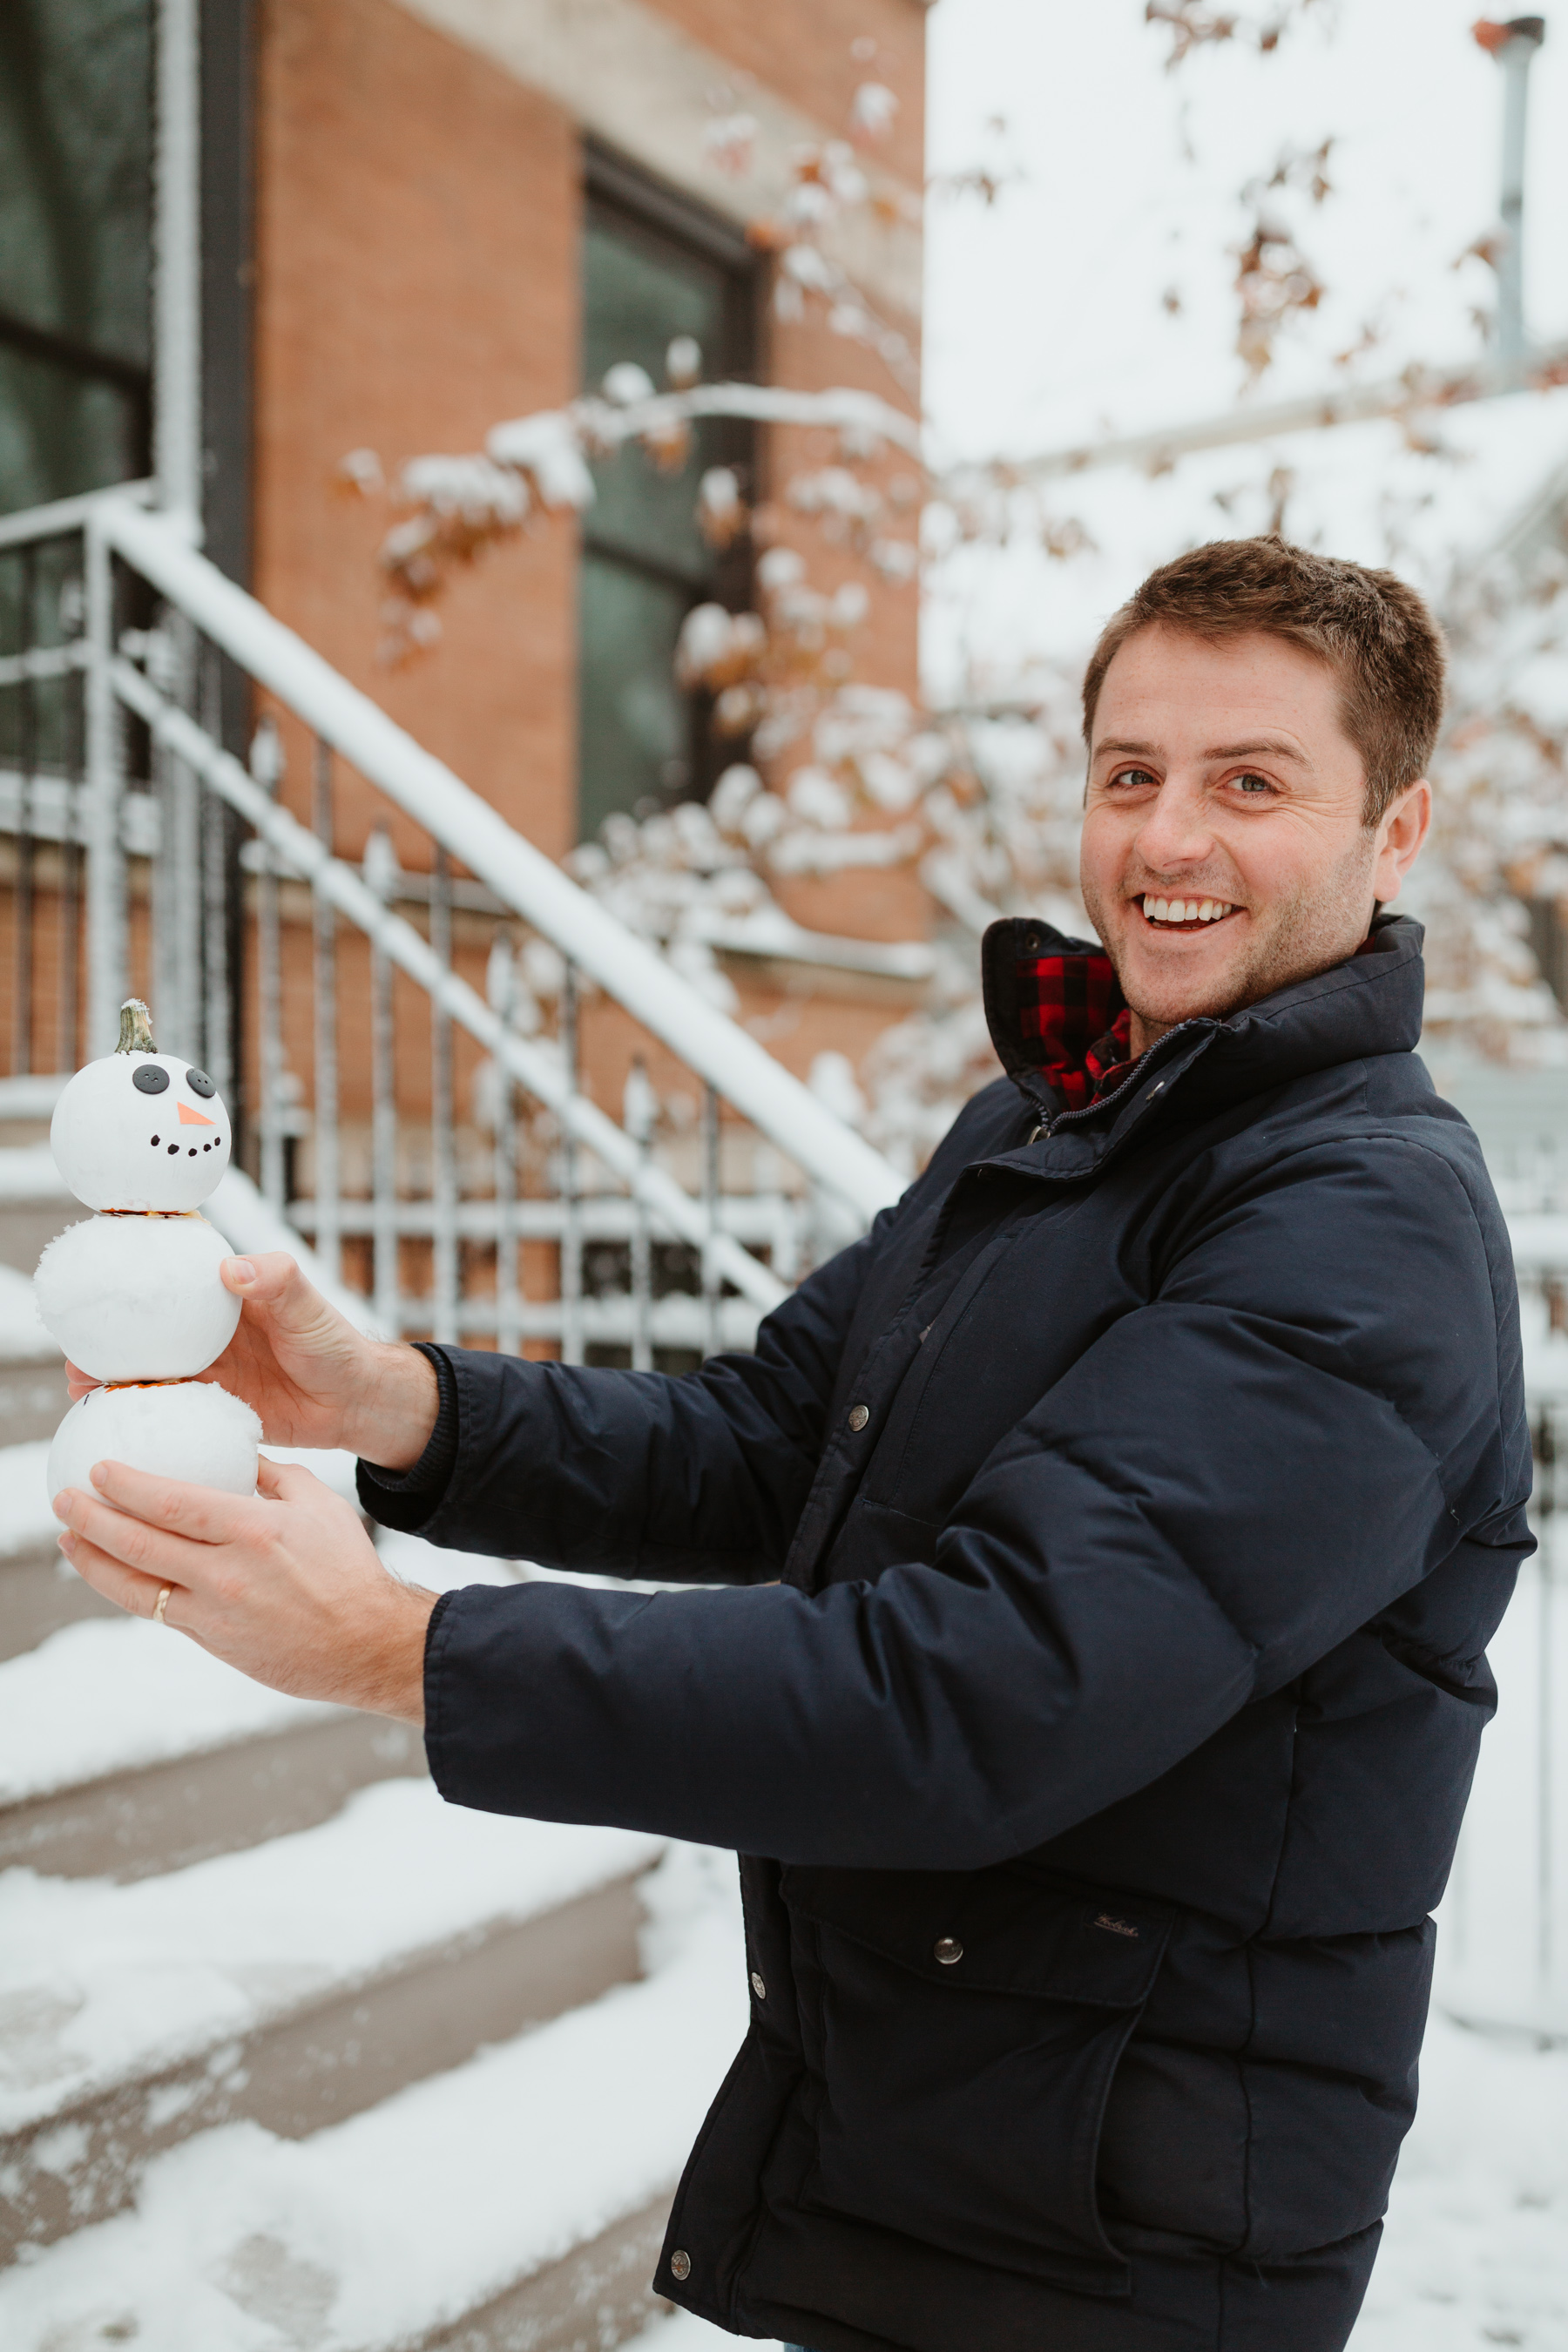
[{"x": 399, "y": 2221}]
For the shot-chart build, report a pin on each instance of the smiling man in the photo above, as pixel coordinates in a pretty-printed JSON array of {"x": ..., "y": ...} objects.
[{"x": 1100, "y": 1559}]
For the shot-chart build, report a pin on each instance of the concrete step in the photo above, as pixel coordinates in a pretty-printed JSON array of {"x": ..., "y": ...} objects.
[
  {"x": 290, "y": 1987},
  {"x": 139, "y": 1824},
  {"x": 512, "y": 2201},
  {"x": 40, "y": 1592},
  {"x": 600, "y": 2296},
  {"x": 26, "y": 1224}
]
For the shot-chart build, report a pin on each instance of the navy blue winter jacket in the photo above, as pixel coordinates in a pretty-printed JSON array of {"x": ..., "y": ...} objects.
[{"x": 1101, "y": 1555}]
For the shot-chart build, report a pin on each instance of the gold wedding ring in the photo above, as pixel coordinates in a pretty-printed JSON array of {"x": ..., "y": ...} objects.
[{"x": 158, "y": 1617}]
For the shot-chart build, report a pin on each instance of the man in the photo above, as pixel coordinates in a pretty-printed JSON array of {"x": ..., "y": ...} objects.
[{"x": 1109, "y": 1540}]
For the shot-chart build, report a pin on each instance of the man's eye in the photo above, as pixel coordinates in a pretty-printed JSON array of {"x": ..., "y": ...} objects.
[
  {"x": 1254, "y": 784},
  {"x": 1135, "y": 776}
]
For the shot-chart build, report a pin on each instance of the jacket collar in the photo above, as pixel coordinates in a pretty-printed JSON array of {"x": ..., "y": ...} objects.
[{"x": 1369, "y": 1004}]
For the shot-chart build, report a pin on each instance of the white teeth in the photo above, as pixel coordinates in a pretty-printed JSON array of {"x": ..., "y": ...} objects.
[{"x": 1186, "y": 911}]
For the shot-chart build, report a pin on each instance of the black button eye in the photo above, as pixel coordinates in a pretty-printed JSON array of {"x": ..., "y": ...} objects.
[
  {"x": 149, "y": 1079},
  {"x": 200, "y": 1084}
]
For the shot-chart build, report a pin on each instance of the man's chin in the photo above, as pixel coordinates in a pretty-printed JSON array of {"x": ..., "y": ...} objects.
[{"x": 1170, "y": 983}]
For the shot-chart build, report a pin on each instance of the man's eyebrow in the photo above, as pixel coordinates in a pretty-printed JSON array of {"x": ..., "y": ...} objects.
[
  {"x": 1265, "y": 748},
  {"x": 1268, "y": 747}
]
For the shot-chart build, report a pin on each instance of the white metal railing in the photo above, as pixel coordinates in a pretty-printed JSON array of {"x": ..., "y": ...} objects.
[{"x": 670, "y": 1228}]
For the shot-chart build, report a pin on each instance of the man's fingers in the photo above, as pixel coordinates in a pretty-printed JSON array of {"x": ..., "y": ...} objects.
[
  {"x": 203, "y": 1513},
  {"x": 80, "y": 1384},
  {"x": 153, "y": 1551},
  {"x": 128, "y": 1588}
]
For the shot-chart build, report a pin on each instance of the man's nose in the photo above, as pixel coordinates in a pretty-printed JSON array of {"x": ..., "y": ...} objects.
[{"x": 1178, "y": 829}]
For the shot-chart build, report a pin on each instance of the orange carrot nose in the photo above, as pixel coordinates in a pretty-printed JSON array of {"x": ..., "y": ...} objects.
[{"x": 195, "y": 1117}]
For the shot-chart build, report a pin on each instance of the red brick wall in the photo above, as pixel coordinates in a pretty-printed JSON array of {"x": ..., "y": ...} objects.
[
  {"x": 416, "y": 282},
  {"x": 801, "y": 49}
]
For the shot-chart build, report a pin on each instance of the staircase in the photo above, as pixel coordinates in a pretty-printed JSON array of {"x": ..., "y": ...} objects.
[{"x": 291, "y": 2054}]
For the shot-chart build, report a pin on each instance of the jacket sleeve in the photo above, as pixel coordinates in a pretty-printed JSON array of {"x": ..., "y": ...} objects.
[
  {"x": 1319, "y": 1404},
  {"x": 698, "y": 1479}
]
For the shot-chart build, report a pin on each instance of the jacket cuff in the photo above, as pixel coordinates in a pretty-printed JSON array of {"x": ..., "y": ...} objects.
[
  {"x": 435, "y": 1645},
  {"x": 408, "y": 1499}
]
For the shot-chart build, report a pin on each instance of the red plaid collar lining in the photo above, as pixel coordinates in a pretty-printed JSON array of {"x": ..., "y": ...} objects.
[
  {"x": 1073, "y": 1006},
  {"x": 1063, "y": 1015}
]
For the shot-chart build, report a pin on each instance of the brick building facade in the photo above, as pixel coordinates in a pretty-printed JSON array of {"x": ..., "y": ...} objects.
[{"x": 420, "y": 217}]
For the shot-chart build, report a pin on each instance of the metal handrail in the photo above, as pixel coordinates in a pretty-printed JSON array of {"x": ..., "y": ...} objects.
[
  {"x": 62, "y": 516},
  {"x": 708, "y": 1041},
  {"x": 538, "y": 1070}
]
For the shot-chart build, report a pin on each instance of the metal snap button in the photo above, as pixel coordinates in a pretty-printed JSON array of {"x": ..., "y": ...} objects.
[
  {"x": 859, "y": 1414},
  {"x": 680, "y": 2263},
  {"x": 758, "y": 1986},
  {"x": 948, "y": 1952}
]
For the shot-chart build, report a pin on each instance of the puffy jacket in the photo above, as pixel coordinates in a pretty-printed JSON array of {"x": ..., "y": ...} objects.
[{"x": 1120, "y": 1525}]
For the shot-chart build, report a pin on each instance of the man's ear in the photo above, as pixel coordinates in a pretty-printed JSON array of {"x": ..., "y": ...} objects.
[{"x": 1402, "y": 829}]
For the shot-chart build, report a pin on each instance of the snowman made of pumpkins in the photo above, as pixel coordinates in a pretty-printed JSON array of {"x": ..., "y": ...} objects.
[{"x": 133, "y": 1293}]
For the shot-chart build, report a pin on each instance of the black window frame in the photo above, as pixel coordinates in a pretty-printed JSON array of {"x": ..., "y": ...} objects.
[{"x": 640, "y": 208}]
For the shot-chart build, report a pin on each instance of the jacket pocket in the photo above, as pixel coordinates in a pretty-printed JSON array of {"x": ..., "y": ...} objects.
[{"x": 963, "y": 2034}]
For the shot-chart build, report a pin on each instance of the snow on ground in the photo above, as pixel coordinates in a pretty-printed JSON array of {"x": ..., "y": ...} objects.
[
  {"x": 398, "y": 2221},
  {"x": 1475, "y": 2252},
  {"x": 679, "y": 2331}
]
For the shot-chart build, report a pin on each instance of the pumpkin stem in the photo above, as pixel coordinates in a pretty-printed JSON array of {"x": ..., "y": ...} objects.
[{"x": 135, "y": 1028}]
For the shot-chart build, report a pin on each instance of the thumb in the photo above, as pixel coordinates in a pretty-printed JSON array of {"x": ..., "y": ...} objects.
[
  {"x": 288, "y": 1482},
  {"x": 272, "y": 1280}
]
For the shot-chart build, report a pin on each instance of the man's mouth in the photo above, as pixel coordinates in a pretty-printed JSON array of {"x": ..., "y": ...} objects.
[{"x": 1184, "y": 914}]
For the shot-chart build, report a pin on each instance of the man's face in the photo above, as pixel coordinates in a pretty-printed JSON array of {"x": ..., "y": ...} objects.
[{"x": 1224, "y": 853}]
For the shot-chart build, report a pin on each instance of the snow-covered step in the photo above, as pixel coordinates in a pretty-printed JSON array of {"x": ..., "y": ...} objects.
[
  {"x": 112, "y": 1696},
  {"x": 403, "y": 2224},
  {"x": 125, "y": 1749},
  {"x": 32, "y": 1398},
  {"x": 293, "y": 1985},
  {"x": 29, "y": 1179}
]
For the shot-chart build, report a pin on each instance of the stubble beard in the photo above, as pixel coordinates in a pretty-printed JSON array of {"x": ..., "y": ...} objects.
[{"x": 1317, "y": 926}]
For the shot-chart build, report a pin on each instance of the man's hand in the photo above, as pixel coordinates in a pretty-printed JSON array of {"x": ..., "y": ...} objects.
[
  {"x": 284, "y": 1584},
  {"x": 311, "y": 1376}
]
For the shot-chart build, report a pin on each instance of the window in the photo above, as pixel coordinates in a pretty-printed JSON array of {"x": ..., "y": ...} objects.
[
  {"x": 75, "y": 217},
  {"x": 653, "y": 268}
]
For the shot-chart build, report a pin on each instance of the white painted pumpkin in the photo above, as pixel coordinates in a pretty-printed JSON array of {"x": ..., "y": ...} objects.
[
  {"x": 140, "y": 1129},
  {"x": 189, "y": 1429},
  {"x": 137, "y": 1298}
]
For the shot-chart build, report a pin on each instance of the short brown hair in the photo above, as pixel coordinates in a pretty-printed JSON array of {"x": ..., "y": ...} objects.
[{"x": 1373, "y": 630}]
